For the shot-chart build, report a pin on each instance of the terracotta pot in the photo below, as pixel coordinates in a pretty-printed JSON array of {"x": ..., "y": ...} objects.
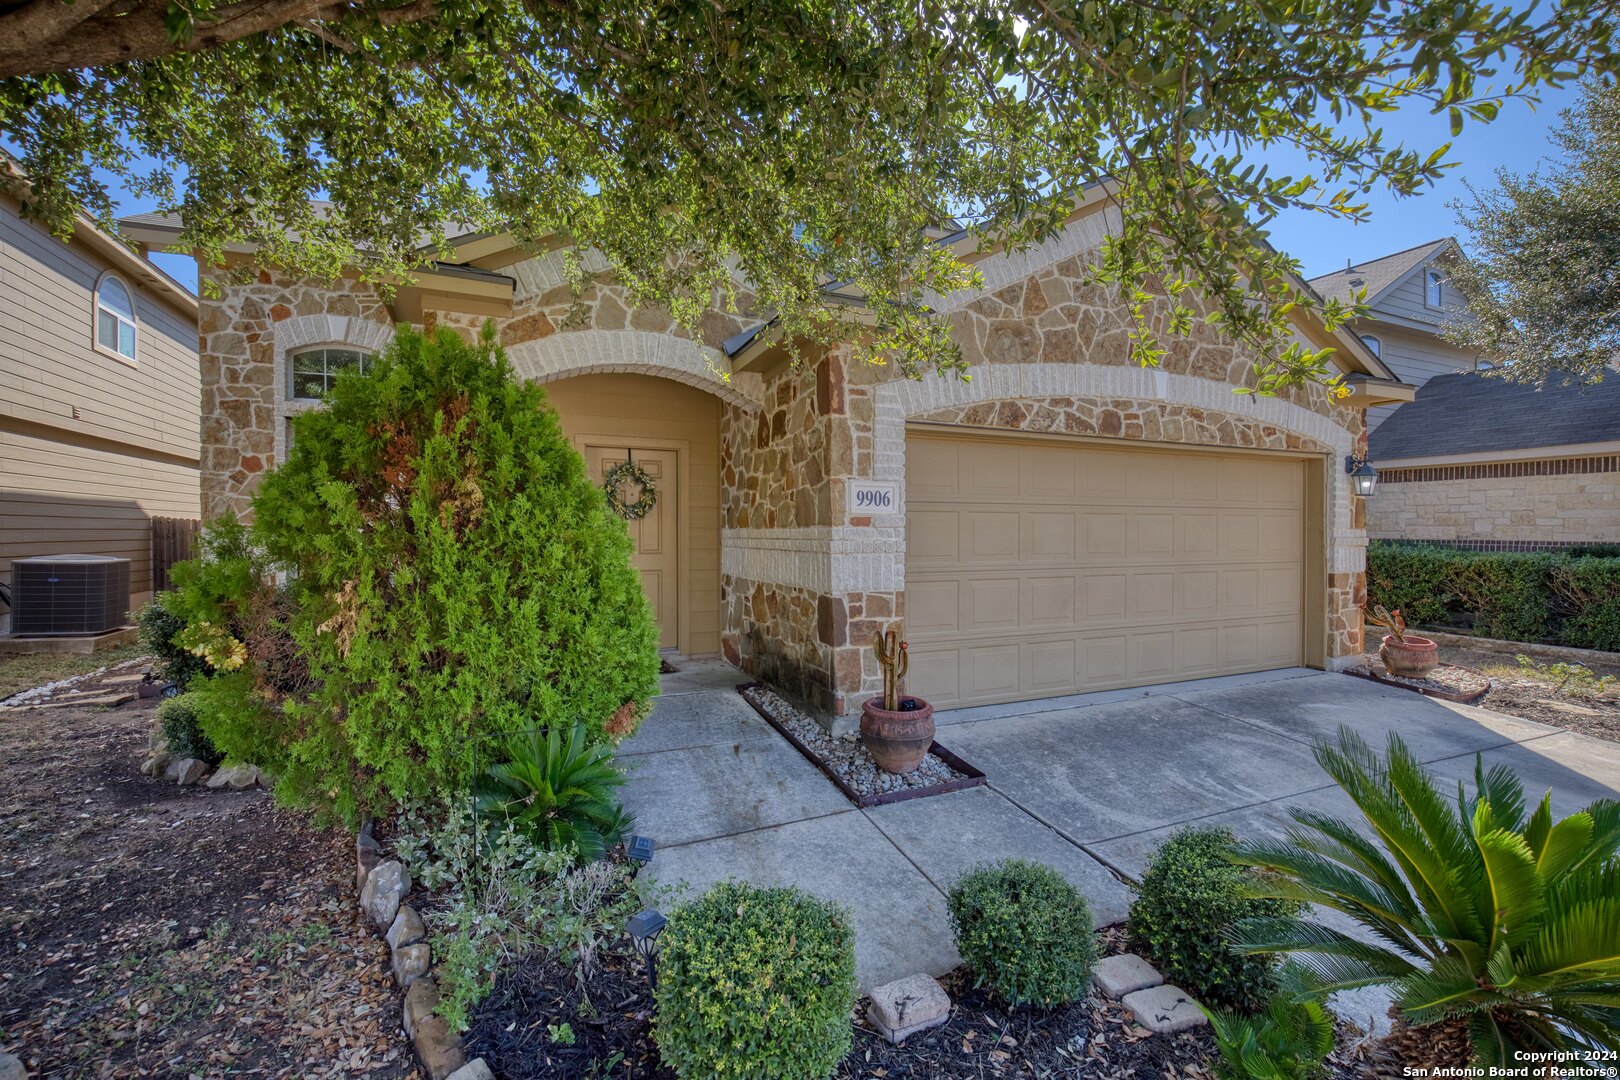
[
  {"x": 898, "y": 740},
  {"x": 1413, "y": 658}
]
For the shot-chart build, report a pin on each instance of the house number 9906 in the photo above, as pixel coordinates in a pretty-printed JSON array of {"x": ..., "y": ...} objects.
[{"x": 868, "y": 497}]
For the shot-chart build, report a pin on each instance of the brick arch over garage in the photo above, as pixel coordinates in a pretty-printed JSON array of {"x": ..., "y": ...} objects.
[
  {"x": 635, "y": 352},
  {"x": 1034, "y": 387}
]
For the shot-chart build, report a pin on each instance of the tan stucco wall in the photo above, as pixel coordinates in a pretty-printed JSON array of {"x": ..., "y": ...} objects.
[
  {"x": 1543, "y": 509},
  {"x": 646, "y": 410}
]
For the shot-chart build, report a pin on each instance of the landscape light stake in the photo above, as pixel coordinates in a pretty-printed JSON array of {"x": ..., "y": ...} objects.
[{"x": 644, "y": 929}]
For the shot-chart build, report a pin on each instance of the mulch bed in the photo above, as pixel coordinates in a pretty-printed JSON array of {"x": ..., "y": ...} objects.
[
  {"x": 1522, "y": 695},
  {"x": 515, "y": 1031},
  {"x": 152, "y": 930}
]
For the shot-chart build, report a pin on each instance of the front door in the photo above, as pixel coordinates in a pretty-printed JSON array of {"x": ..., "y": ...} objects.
[{"x": 654, "y": 536}]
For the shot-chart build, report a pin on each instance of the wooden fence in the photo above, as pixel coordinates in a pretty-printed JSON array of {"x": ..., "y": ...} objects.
[{"x": 173, "y": 540}]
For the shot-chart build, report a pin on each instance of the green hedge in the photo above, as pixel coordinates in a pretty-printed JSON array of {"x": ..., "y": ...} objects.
[{"x": 1564, "y": 598}]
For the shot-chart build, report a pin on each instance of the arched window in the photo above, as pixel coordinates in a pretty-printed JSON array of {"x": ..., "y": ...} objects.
[
  {"x": 1374, "y": 346},
  {"x": 312, "y": 372},
  {"x": 115, "y": 317},
  {"x": 1434, "y": 289}
]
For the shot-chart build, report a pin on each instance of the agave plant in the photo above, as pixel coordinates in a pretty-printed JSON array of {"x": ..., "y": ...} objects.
[
  {"x": 1288, "y": 1041},
  {"x": 560, "y": 794},
  {"x": 1473, "y": 909}
]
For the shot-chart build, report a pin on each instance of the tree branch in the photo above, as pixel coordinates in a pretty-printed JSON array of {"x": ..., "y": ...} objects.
[{"x": 141, "y": 33}]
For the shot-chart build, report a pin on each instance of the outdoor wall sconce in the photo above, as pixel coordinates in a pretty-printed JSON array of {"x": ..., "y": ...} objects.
[
  {"x": 639, "y": 849},
  {"x": 644, "y": 929},
  {"x": 1363, "y": 476}
]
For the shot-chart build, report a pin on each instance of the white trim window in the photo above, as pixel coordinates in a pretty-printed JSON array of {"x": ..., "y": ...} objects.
[
  {"x": 311, "y": 373},
  {"x": 1374, "y": 346},
  {"x": 115, "y": 329},
  {"x": 1434, "y": 288}
]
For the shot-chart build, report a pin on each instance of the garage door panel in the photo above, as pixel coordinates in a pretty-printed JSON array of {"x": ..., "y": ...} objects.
[
  {"x": 1037, "y": 569},
  {"x": 1049, "y": 600},
  {"x": 1050, "y": 666},
  {"x": 992, "y": 604},
  {"x": 935, "y": 673},
  {"x": 1106, "y": 536},
  {"x": 933, "y": 608},
  {"x": 1152, "y": 596},
  {"x": 932, "y": 538},
  {"x": 1050, "y": 537},
  {"x": 992, "y": 671},
  {"x": 990, "y": 537}
]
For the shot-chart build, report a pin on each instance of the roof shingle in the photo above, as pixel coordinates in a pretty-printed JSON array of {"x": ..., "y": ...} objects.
[
  {"x": 1471, "y": 413},
  {"x": 1376, "y": 275}
]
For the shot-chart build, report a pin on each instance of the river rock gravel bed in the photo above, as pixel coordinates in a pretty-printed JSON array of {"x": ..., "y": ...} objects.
[{"x": 844, "y": 754}]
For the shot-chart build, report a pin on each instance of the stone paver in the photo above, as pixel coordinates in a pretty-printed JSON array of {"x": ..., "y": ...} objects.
[
  {"x": 1124, "y": 974},
  {"x": 906, "y": 1006},
  {"x": 1165, "y": 1009}
]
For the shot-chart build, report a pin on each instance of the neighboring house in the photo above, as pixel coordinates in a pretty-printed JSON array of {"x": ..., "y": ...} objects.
[
  {"x": 1064, "y": 521},
  {"x": 98, "y": 413},
  {"x": 1410, "y": 298},
  {"x": 1491, "y": 465}
]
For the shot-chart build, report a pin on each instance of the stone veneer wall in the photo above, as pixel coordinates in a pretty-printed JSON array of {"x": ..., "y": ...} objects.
[
  {"x": 1552, "y": 508},
  {"x": 805, "y": 587}
]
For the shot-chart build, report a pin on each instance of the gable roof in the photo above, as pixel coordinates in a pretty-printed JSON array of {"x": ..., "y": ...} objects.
[
  {"x": 1378, "y": 276},
  {"x": 1472, "y": 413}
]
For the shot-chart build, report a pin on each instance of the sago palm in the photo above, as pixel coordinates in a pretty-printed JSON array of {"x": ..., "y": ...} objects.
[
  {"x": 1288, "y": 1041},
  {"x": 560, "y": 794},
  {"x": 1474, "y": 909}
]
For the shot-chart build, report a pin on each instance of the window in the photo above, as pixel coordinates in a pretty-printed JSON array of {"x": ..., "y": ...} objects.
[
  {"x": 1374, "y": 346},
  {"x": 115, "y": 317},
  {"x": 313, "y": 371},
  {"x": 1434, "y": 288}
]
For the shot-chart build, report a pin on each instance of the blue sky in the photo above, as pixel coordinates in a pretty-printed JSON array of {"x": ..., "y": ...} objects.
[{"x": 1517, "y": 139}]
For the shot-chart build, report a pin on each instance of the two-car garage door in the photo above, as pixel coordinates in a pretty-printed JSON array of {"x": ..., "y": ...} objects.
[{"x": 1035, "y": 569}]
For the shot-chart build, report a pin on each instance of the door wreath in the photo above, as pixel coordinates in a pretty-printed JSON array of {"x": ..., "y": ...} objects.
[{"x": 627, "y": 473}]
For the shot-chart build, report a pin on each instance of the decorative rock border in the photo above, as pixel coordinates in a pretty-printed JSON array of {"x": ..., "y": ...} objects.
[{"x": 384, "y": 885}]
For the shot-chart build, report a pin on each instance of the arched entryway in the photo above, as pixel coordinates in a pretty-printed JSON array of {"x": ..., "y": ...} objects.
[{"x": 673, "y": 431}]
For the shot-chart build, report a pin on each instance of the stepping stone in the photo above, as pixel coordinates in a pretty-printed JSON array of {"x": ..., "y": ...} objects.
[
  {"x": 906, "y": 1006},
  {"x": 473, "y": 1070},
  {"x": 1124, "y": 974},
  {"x": 1165, "y": 1009}
]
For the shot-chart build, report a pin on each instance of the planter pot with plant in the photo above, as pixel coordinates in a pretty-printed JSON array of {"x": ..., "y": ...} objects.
[
  {"x": 1403, "y": 654},
  {"x": 897, "y": 731}
]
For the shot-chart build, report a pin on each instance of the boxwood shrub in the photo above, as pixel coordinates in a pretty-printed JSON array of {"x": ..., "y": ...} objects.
[
  {"x": 180, "y": 719},
  {"x": 1024, "y": 932},
  {"x": 755, "y": 982},
  {"x": 1564, "y": 598},
  {"x": 1188, "y": 898}
]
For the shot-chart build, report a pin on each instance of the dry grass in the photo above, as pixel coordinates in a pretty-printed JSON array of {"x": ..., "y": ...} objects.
[{"x": 18, "y": 673}]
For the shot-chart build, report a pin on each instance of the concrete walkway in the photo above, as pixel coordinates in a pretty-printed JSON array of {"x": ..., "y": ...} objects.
[{"x": 1090, "y": 785}]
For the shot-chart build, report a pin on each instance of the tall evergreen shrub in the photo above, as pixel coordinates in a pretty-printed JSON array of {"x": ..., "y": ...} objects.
[{"x": 451, "y": 573}]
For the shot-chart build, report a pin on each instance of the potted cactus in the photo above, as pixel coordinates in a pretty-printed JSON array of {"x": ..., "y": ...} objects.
[
  {"x": 896, "y": 730},
  {"x": 1403, "y": 654}
]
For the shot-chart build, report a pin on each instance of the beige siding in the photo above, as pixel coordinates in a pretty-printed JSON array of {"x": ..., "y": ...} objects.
[
  {"x": 52, "y": 367},
  {"x": 91, "y": 446},
  {"x": 1406, "y": 302},
  {"x": 646, "y": 411},
  {"x": 59, "y": 497},
  {"x": 1415, "y": 357}
]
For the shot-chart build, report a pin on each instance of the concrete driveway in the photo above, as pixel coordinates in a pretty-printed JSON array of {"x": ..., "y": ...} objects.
[{"x": 1090, "y": 785}]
